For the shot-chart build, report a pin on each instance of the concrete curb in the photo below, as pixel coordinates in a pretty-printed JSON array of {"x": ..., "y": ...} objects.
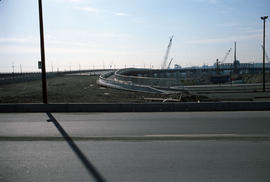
[
  {"x": 140, "y": 138},
  {"x": 133, "y": 107}
]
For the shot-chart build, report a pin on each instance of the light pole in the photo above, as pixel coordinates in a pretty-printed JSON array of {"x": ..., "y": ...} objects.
[
  {"x": 264, "y": 18},
  {"x": 43, "y": 68}
]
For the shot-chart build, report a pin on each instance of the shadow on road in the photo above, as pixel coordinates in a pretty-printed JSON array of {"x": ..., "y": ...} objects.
[{"x": 90, "y": 167}]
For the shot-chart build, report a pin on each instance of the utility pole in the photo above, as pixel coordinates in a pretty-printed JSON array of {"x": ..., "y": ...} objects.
[
  {"x": 43, "y": 68},
  {"x": 21, "y": 68},
  {"x": 234, "y": 51},
  {"x": 264, "y": 18},
  {"x": 217, "y": 62}
]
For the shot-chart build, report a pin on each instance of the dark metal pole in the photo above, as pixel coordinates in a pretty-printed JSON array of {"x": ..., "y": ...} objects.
[
  {"x": 44, "y": 84},
  {"x": 264, "y": 54},
  {"x": 264, "y": 18},
  {"x": 217, "y": 66}
]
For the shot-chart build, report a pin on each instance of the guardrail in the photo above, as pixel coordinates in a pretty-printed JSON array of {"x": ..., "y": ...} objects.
[
  {"x": 125, "y": 85},
  {"x": 7, "y": 78},
  {"x": 150, "y": 81},
  {"x": 23, "y": 77}
]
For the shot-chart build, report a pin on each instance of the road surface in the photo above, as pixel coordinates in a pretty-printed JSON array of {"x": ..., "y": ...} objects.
[{"x": 180, "y": 146}]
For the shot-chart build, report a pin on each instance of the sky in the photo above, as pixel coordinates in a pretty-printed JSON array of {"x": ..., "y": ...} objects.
[{"x": 87, "y": 34}]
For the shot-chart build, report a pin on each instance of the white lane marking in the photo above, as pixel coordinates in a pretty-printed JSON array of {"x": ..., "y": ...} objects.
[{"x": 192, "y": 135}]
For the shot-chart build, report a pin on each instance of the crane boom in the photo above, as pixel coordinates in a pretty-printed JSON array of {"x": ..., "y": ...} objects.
[
  {"x": 169, "y": 65},
  {"x": 267, "y": 58},
  {"x": 167, "y": 54},
  {"x": 226, "y": 55}
]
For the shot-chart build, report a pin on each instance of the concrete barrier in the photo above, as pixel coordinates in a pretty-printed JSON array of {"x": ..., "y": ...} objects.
[
  {"x": 7, "y": 78},
  {"x": 133, "y": 107},
  {"x": 123, "y": 75},
  {"x": 128, "y": 86}
]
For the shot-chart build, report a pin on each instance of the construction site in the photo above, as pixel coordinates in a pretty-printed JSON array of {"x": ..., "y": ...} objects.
[
  {"x": 227, "y": 78},
  {"x": 223, "y": 81}
]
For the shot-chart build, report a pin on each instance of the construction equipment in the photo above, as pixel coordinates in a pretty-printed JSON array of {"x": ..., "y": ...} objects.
[
  {"x": 169, "y": 65},
  {"x": 219, "y": 63},
  {"x": 226, "y": 56},
  {"x": 167, "y": 54},
  {"x": 267, "y": 58}
]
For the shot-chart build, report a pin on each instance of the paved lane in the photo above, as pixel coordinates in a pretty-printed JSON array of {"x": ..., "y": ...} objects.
[
  {"x": 137, "y": 124},
  {"x": 184, "y": 161},
  {"x": 50, "y": 159}
]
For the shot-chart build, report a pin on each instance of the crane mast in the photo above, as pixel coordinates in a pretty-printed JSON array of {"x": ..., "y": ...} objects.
[{"x": 167, "y": 54}]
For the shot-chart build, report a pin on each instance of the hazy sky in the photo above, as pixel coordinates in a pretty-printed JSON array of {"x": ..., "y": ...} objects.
[{"x": 130, "y": 32}]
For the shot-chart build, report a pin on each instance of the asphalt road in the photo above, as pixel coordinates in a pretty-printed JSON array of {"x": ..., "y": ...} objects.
[{"x": 182, "y": 146}]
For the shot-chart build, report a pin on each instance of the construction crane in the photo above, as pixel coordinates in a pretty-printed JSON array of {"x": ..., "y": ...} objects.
[
  {"x": 169, "y": 65},
  {"x": 167, "y": 54},
  {"x": 218, "y": 63},
  {"x": 226, "y": 55}
]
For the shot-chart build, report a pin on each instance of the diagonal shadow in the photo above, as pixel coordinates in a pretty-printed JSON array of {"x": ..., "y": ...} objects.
[{"x": 90, "y": 167}]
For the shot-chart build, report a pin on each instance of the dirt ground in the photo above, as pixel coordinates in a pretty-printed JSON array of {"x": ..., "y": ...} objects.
[
  {"x": 84, "y": 89},
  {"x": 69, "y": 89}
]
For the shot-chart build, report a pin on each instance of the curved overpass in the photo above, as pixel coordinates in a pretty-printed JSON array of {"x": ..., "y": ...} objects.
[{"x": 143, "y": 80}]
